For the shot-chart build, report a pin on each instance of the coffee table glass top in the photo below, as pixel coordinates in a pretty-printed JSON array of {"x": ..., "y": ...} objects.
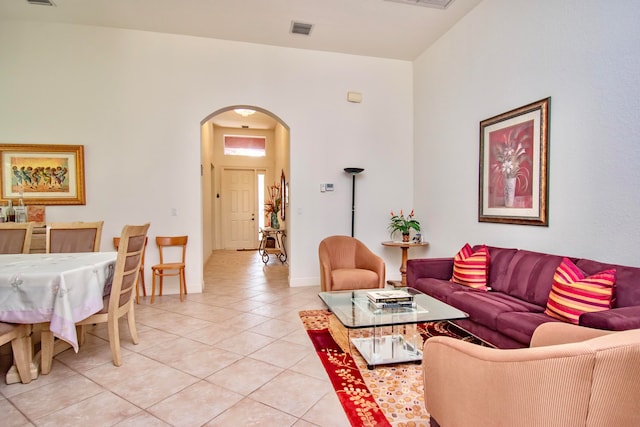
[{"x": 353, "y": 310}]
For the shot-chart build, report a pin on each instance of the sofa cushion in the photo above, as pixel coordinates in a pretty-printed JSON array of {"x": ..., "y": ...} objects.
[
  {"x": 573, "y": 293},
  {"x": 500, "y": 259},
  {"x": 616, "y": 319},
  {"x": 471, "y": 268},
  {"x": 529, "y": 276},
  {"x": 485, "y": 307},
  {"x": 438, "y": 288},
  {"x": 627, "y": 292},
  {"x": 520, "y": 325}
]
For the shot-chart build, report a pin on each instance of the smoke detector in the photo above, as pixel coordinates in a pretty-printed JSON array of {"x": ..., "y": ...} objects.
[
  {"x": 438, "y": 4},
  {"x": 300, "y": 28},
  {"x": 41, "y": 2}
]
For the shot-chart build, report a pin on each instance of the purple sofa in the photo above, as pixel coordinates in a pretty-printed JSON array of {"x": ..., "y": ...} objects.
[{"x": 520, "y": 282}]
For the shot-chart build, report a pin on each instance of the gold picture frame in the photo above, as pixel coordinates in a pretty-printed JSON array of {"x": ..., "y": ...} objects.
[
  {"x": 514, "y": 153},
  {"x": 42, "y": 174}
]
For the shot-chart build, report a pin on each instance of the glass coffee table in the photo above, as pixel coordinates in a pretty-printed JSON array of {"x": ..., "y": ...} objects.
[{"x": 390, "y": 335}]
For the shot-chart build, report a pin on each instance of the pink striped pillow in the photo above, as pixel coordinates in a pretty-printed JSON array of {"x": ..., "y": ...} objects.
[
  {"x": 572, "y": 293},
  {"x": 471, "y": 268}
]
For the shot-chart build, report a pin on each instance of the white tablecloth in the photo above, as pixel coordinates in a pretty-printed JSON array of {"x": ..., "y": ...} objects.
[{"x": 58, "y": 288}]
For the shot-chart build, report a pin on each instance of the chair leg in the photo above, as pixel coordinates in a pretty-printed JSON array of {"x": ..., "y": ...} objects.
[
  {"x": 144, "y": 286},
  {"x": 80, "y": 332},
  {"x": 131, "y": 320},
  {"x": 138, "y": 290},
  {"x": 153, "y": 285},
  {"x": 161, "y": 274},
  {"x": 184, "y": 282},
  {"x": 114, "y": 340}
]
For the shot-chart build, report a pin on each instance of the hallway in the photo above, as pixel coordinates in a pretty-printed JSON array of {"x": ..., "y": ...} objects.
[{"x": 236, "y": 354}]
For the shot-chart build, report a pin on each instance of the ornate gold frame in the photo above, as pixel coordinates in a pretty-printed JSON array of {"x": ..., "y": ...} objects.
[{"x": 64, "y": 187}]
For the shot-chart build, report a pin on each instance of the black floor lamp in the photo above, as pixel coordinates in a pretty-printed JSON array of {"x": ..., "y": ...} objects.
[{"x": 353, "y": 172}]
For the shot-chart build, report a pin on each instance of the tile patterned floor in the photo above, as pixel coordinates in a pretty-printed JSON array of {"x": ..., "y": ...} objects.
[{"x": 235, "y": 355}]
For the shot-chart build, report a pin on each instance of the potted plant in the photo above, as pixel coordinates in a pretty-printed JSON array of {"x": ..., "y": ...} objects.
[
  {"x": 272, "y": 205},
  {"x": 403, "y": 224}
]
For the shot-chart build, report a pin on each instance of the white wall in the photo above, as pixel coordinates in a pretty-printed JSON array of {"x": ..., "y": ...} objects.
[
  {"x": 135, "y": 100},
  {"x": 585, "y": 54}
]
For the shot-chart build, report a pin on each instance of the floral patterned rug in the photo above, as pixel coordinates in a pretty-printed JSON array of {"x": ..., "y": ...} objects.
[{"x": 389, "y": 395}]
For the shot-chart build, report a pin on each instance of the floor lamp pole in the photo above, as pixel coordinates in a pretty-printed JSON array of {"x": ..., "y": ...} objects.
[{"x": 353, "y": 172}]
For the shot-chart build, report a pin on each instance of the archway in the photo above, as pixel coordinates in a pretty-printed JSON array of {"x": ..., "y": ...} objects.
[{"x": 214, "y": 163}]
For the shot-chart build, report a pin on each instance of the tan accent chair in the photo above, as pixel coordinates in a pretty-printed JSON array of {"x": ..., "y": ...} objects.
[
  {"x": 346, "y": 263},
  {"x": 15, "y": 238},
  {"x": 570, "y": 376},
  {"x": 70, "y": 237},
  {"x": 20, "y": 338},
  {"x": 116, "y": 242},
  {"x": 119, "y": 302},
  {"x": 175, "y": 268}
]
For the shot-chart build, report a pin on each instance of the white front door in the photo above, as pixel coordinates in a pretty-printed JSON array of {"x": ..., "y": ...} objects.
[{"x": 239, "y": 224}]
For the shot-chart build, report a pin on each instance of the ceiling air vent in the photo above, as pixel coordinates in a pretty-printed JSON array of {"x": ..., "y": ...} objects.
[
  {"x": 41, "y": 2},
  {"x": 438, "y": 4},
  {"x": 301, "y": 28}
]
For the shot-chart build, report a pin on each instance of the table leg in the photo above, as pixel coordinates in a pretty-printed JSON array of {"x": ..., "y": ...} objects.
[
  {"x": 46, "y": 349},
  {"x": 403, "y": 265}
]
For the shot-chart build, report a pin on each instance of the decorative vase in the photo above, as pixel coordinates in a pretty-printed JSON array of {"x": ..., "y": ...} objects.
[
  {"x": 275, "y": 223},
  {"x": 405, "y": 237},
  {"x": 509, "y": 191}
]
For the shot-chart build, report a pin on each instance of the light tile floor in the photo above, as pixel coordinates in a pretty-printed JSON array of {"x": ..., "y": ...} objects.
[{"x": 235, "y": 355}]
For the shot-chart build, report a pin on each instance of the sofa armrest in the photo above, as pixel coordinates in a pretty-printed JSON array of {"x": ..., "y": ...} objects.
[
  {"x": 436, "y": 268},
  {"x": 553, "y": 333},
  {"x": 616, "y": 319},
  {"x": 470, "y": 385}
]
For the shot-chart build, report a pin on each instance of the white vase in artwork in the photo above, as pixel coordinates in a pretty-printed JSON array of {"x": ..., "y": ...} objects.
[{"x": 509, "y": 191}]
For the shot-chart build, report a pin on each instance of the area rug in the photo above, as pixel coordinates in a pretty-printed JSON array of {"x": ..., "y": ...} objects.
[{"x": 389, "y": 395}]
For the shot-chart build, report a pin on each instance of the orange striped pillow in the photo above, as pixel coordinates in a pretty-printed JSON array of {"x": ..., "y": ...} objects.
[
  {"x": 572, "y": 293},
  {"x": 471, "y": 268}
]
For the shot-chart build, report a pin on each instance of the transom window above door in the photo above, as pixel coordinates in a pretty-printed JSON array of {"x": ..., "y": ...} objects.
[{"x": 242, "y": 145}]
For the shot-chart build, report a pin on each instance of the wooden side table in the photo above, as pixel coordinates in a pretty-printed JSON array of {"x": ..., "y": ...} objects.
[{"x": 403, "y": 266}]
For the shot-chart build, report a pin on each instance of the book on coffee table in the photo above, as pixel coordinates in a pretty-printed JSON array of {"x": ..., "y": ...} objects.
[
  {"x": 390, "y": 296},
  {"x": 376, "y": 306}
]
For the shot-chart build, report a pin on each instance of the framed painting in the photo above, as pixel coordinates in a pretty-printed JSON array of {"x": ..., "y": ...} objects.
[
  {"x": 42, "y": 174},
  {"x": 514, "y": 153}
]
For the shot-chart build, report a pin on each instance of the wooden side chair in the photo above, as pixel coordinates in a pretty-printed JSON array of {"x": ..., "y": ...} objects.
[
  {"x": 20, "y": 338},
  {"x": 119, "y": 302},
  {"x": 116, "y": 242},
  {"x": 175, "y": 268},
  {"x": 69, "y": 237},
  {"x": 15, "y": 238}
]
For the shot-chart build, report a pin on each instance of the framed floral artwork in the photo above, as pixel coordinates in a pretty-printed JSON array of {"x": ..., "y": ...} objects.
[
  {"x": 42, "y": 174},
  {"x": 514, "y": 153}
]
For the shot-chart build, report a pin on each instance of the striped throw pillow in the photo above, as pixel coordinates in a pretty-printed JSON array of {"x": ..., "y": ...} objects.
[
  {"x": 573, "y": 293},
  {"x": 471, "y": 268}
]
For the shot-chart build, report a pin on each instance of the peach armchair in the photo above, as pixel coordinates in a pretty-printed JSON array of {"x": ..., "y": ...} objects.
[
  {"x": 570, "y": 376},
  {"x": 346, "y": 263}
]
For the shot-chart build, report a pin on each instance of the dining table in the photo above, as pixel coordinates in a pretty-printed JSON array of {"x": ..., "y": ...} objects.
[{"x": 53, "y": 291}]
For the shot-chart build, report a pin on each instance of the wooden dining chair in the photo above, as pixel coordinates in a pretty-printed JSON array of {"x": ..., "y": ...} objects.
[
  {"x": 19, "y": 336},
  {"x": 15, "y": 238},
  {"x": 116, "y": 241},
  {"x": 70, "y": 237},
  {"x": 119, "y": 302},
  {"x": 175, "y": 268}
]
